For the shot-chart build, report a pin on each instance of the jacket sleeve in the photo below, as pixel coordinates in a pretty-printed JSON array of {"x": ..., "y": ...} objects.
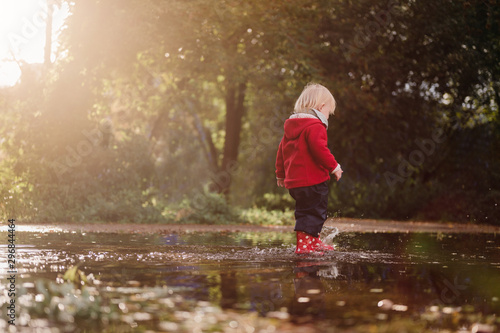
[
  {"x": 318, "y": 146},
  {"x": 280, "y": 167}
]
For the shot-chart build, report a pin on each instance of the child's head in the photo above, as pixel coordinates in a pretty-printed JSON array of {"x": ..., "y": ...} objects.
[{"x": 315, "y": 96}]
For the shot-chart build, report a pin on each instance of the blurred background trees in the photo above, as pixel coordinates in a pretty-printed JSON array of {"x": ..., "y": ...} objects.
[{"x": 156, "y": 109}]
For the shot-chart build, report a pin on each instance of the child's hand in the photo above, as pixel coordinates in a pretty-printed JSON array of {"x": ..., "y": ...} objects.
[
  {"x": 280, "y": 182},
  {"x": 338, "y": 174}
]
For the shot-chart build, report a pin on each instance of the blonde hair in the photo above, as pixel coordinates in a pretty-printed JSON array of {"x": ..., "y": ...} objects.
[{"x": 312, "y": 97}]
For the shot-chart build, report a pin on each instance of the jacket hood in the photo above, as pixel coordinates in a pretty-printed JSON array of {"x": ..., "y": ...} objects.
[{"x": 295, "y": 126}]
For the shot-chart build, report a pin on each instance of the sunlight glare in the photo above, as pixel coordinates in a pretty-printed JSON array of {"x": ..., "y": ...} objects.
[
  {"x": 9, "y": 73},
  {"x": 22, "y": 35}
]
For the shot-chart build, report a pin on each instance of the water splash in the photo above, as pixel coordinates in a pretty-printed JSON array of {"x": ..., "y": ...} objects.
[
  {"x": 331, "y": 271},
  {"x": 328, "y": 234}
]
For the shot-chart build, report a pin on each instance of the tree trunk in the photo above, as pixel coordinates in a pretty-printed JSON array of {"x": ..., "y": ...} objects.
[
  {"x": 235, "y": 109},
  {"x": 48, "y": 34}
]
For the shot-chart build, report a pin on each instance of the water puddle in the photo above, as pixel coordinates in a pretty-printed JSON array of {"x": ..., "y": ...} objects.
[{"x": 253, "y": 282}]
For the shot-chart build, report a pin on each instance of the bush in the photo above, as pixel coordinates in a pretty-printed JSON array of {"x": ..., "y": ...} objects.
[
  {"x": 276, "y": 201},
  {"x": 110, "y": 184},
  {"x": 205, "y": 207},
  {"x": 258, "y": 216}
]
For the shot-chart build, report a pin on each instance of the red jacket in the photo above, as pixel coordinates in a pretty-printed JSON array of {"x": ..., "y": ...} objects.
[{"x": 303, "y": 157}]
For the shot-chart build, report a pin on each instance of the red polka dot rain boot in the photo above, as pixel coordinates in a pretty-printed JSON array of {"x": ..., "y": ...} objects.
[
  {"x": 306, "y": 244},
  {"x": 319, "y": 245}
]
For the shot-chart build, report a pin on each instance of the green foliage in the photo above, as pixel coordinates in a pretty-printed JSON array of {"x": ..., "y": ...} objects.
[
  {"x": 377, "y": 200},
  {"x": 64, "y": 304},
  {"x": 206, "y": 207},
  {"x": 259, "y": 216},
  {"x": 108, "y": 184},
  {"x": 276, "y": 201},
  {"x": 75, "y": 276}
]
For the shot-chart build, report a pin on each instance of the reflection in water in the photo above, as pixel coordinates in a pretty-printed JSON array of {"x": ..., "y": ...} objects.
[
  {"x": 228, "y": 288},
  {"x": 372, "y": 278},
  {"x": 309, "y": 301}
]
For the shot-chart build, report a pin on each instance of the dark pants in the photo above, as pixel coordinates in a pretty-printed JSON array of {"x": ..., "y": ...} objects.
[{"x": 310, "y": 207}]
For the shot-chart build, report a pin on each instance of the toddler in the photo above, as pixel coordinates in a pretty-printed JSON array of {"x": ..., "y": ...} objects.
[{"x": 304, "y": 164}]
